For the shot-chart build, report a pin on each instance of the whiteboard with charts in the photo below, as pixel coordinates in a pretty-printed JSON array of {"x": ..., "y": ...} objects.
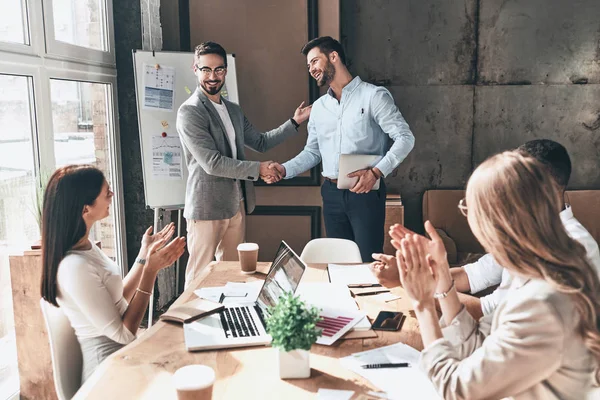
[{"x": 163, "y": 81}]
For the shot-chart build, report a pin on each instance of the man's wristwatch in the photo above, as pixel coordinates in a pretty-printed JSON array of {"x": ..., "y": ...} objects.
[
  {"x": 374, "y": 173},
  {"x": 296, "y": 125}
]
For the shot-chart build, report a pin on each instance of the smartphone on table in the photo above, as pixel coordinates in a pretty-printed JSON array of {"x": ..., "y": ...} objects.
[{"x": 388, "y": 321}]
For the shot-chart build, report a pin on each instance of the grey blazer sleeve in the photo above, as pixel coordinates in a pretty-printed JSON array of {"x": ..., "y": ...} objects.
[
  {"x": 262, "y": 142},
  {"x": 192, "y": 127}
]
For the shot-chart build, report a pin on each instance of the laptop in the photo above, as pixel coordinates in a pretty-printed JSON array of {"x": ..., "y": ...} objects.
[
  {"x": 354, "y": 162},
  {"x": 243, "y": 324}
]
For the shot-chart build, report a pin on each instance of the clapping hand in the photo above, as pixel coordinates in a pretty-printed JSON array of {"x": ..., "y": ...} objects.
[
  {"x": 166, "y": 233},
  {"x": 434, "y": 248},
  {"x": 161, "y": 255},
  {"x": 416, "y": 274}
]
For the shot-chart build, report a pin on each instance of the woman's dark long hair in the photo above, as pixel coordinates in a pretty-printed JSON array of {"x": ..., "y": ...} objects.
[{"x": 69, "y": 189}]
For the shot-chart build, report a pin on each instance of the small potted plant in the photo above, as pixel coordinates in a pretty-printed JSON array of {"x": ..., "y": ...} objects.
[{"x": 292, "y": 325}]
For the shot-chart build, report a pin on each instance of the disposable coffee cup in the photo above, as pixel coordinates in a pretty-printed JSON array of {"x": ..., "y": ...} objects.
[
  {"x": 194, "y": 382},
  {"x": 248, "y": 253}
]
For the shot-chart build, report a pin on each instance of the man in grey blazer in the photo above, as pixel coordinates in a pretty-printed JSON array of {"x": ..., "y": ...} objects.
[{"x": 219, "y": 191}]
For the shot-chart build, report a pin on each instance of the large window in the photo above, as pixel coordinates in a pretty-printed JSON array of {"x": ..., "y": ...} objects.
[
  {"x": 57, "y": 107},
  {"x": 18, "y": 210},
  {"x": 80, "y": 112}
]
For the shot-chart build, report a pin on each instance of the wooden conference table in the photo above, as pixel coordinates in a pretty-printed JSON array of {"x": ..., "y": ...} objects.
[{"x": 143, "y": 369}]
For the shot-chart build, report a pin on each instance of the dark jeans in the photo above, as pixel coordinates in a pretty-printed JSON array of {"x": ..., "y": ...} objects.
[{"x": 357, "y": 217}]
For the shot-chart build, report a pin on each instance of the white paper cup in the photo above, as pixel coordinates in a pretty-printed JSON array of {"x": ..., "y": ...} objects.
[
  {"x": 194, "y": 382},
  {"x": 248, "y": 254}
]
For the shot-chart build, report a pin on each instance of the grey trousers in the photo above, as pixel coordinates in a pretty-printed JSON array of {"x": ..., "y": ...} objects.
[{"x": 94, "y": 351}]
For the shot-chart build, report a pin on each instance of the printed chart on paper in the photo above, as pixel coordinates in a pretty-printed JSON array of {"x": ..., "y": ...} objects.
[
  {"x": 159, "y": 87},
  {"x": 166, "y": 158}
]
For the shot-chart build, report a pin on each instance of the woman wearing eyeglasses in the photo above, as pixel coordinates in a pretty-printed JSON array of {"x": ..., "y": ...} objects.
[
  {"x": 104, "y": 310},
  {"x": 543, "y": 340}
]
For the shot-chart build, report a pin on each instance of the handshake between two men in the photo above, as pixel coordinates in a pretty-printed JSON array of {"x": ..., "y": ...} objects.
[{"x": 272, "y": 172}]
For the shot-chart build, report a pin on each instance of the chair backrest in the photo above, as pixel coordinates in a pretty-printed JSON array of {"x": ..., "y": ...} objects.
[
  {"x": 440, "y": 207},
  {"x": 65, "y": 350},
  {"x": 328, "y": 250}
]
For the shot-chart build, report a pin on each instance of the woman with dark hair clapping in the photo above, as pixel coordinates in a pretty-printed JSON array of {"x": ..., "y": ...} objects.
[{"x": 104, "y": 310}]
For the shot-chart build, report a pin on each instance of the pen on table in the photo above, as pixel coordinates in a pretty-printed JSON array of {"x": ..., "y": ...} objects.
[
  {"x": 372, "y": 293},
  {"x": 385, "y": 365},
  {"x": 363, "y": 285}
]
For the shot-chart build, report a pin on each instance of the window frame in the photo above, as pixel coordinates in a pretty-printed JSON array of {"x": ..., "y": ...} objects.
[
  {"x": 114, "y": 148},
  {"x": 33, "y": 16},
  {"x": 66, "y": 51},
  {"x": 32, "y": 61},
  {"x": 45, "y": 58}
]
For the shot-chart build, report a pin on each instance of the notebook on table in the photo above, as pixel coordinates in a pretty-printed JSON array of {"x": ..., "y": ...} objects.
[{"x": 191, "y": 311}]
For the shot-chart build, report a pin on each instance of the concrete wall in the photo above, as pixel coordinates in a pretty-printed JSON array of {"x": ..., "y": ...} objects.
[
  {"x": 131, "y": 25},
  {"x": 475, "y": 77},
  {"x": 472, "y": 77},
  {"x": 151, "y": 29}
]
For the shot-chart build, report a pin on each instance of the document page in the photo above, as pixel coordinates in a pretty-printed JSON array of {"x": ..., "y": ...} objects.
[
  {"x": 351, "y": 274},
  {"x": 399, "y": 383}
]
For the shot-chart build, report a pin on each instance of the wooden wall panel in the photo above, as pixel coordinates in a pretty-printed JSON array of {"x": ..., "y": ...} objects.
[
  {"x": 33, "y": 347},
  {"x": 266, "y": 37}
]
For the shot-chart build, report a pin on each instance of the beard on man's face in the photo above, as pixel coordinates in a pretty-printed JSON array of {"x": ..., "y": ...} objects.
[
  {"x": 212, "y": 89},
  {"x": 327, "y": 75}
]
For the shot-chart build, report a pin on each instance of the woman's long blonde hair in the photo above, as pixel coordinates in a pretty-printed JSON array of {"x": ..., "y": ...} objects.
[{"x": 513, "y": 209}]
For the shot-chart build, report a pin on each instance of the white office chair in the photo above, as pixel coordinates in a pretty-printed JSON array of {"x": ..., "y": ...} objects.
[
  {"x": 67, "y": 361},
  {"x": 328, "y": 250}
]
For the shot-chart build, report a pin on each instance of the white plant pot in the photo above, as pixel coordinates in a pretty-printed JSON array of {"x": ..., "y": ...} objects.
[{"x": 293, "y": 364}]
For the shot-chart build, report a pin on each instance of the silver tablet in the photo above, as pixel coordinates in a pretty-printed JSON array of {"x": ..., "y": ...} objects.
[{"x": 353, "y": 162}]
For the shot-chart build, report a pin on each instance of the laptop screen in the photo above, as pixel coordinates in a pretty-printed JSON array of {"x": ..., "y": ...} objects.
[{"x": 284, "y": 276}]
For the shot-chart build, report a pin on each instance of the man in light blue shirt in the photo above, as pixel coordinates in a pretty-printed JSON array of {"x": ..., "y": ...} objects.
[{"x": 354, "y": 117}]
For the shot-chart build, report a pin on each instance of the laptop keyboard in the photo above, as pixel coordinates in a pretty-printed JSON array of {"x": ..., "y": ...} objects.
[{"x": 238, "y": 322}]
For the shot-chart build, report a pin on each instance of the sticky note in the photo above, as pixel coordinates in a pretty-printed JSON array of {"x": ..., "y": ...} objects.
[
  {"x": 168, "y": 157},
  {"x": 187, "y": 90}
]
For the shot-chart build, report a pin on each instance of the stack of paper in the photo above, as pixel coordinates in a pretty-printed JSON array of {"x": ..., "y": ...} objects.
[
  {"x": 351, "y": 274},
  {"x": 405, "y": 383},
  {"x": 232, "y": 292}
]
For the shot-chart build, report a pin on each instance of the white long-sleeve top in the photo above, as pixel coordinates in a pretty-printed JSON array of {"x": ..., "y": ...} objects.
[
  {"x": 90, "y": 293},
  {"x": 487, "y": 272}
]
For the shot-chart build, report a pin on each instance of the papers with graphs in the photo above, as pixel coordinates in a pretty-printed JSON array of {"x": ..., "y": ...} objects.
[
  {"x": 399, "y": 383},
  {"x": 333, "y": 296}
]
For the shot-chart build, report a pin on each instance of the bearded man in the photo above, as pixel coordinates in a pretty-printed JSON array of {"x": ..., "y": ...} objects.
[
  {"x": 219, "y": 192},
  {"x": 353, "y": 117}
]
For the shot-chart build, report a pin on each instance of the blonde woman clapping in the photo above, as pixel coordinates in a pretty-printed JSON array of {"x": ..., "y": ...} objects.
[{"x": 543, "y": 340}]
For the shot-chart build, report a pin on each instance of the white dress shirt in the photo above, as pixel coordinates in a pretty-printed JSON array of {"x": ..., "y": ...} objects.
[
  {"x": 362, "y": 122},
  {"x": 487, "y": 272},
  {"x": 90, "y": 293}
]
